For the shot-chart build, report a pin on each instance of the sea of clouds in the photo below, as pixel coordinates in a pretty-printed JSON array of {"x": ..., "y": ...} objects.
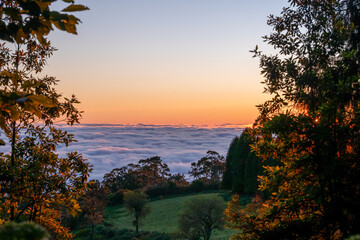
[{"x": 112, "y": 146}]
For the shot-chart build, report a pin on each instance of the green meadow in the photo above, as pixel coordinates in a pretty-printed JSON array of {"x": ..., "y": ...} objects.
[{"x": 163, "y": 217}]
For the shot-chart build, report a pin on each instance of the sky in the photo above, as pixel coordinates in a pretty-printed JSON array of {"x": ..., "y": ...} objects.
[{"x": 165, "y": 61}]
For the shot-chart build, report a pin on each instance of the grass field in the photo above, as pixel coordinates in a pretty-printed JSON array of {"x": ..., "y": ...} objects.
[{"x": 163, "y": 217}]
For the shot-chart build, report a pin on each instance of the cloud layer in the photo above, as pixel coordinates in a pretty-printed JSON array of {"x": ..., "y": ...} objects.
[{"x": 111, "y": 146}]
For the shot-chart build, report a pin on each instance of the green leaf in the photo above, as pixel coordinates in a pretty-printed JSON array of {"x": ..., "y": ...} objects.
[
  {"x": 75, "y": 8},
  {"x": 2, "y": 143}
]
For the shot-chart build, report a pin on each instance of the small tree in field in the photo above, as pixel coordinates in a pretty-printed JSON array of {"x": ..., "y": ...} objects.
[
  {"x": 137, "y": 205},
  {"x": 201, "y": 216}
]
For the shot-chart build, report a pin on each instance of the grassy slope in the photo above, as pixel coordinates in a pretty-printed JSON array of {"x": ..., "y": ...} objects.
[{"x": 163, "y": 217}]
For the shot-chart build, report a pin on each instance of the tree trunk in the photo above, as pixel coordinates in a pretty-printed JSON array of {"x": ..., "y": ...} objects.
[
  {"x": 137, "y": 223},
  {"x": 207, "y": 234},
  {"x": 13, "y": 139},
  {"x": 92, "y": 232}
]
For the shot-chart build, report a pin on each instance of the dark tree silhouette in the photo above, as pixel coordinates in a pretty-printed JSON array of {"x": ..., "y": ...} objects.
[
  {"x": 311, "y": 126},
  {"x": 201, "y": 216}
]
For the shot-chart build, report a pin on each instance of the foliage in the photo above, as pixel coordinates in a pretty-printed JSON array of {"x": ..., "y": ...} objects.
[
  {"x": 178, "y": 179},
  {"x": 148, "y": 172},
  {"x": 137, "y": 205},
  {"x": 21, "y": 20},
  {"x": 122, "y": 178},
  {"x": 311, "y": 125},
  {"x": 26, "y": 24},
  {"x": 36, "y": 183},
  {"x": 242, "y": 166},
  {"x": 164, "y": 215},
  {"x": 23, "y": 231},
  {"x": 201, "y": 216},
  {"x": 354, "y": 237},
  {"x": 112, "y": 233},
  {"x": 39, "y": 184},
  {"x": 116, "y": 198},
  {"x": 93, "y": 204},
  {"x": 152, "y": 171},
  {"x": 209, "y": 168}
]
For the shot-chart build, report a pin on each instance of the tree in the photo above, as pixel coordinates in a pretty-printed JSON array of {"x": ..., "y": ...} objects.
[
  {"x": 21, "y": 20},
  {"x": 227, "y": 177},
  {"x": 39, "y": 183},
  {"x": 94, "y": 203},
  {"x": 178, "y": 179},
  {"x": 209, "y": 168},
  {"x": 311, "y": 126},
  {"x": 242, "y": 166},
  {"x": 153, "y": 171},
  {"x": 122, "y": 178},
  {"x": 200, "y": 216},
  {"x": 137, "y": 204},
  {"x": 35, "y": 182},
  {"x": 148, "y": 172},
  {"x": 27, "y": 24}
]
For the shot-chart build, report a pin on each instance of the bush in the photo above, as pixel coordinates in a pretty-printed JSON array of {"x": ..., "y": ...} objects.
[
  {"x": 116, "y": 198},
  {"x": 25, "y": 230}
]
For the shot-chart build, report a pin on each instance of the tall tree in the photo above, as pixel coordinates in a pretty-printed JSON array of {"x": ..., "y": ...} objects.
[
  {"x": 34, "y": 180},
  {"x": 242, "y": 165},
  {"x": 227, "y": 177},
  {"x": 137, "y": 204},
  {"x": 312, "y": 124},
  {"x": 94, "y": 203}
]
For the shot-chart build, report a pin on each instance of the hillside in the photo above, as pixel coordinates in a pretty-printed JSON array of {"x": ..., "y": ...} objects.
[{"x": 163, "y": 217}]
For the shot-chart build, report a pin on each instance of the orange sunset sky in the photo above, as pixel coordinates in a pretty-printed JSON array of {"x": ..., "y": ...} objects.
[{"x": 165, "y": 62}]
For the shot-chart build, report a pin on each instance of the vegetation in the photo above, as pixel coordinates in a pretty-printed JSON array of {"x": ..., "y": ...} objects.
[
  {"x": 93, "y": 204},
  {"x": 148, "y": 172},
  {"x": 137, "y": 205},
  {"x": 111, "y": 233},
  {"x": 20, "y": 231},
  {"x": 209, "y": 168},
  {"x": 165, "y": 214},
  {"x": 201, "y": 216},
  {"x": 311, "y": 126},
  {"x": 36, "y": 184},
  {"x": 242, "y": 166}
]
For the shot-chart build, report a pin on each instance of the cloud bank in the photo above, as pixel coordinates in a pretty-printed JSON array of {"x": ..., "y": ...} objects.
[{"x": 111, "y": 146}]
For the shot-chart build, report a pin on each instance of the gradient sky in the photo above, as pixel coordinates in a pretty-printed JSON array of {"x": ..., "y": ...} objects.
[{"x": 165, "y": 61}]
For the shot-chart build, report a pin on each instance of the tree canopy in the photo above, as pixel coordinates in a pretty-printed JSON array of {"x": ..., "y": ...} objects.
[
  {"x": 137, "y": 204},
  {"x": 201, "y": 216},
  {"x": 311, "y": 126},
  {"x": 209, "y": 168},
  {"x": 242, "y": 166},
  {"x": 36, "y": 183}
]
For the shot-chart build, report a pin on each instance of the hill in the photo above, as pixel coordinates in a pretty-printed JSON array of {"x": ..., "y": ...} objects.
[{"x": 163, "y": 217}]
